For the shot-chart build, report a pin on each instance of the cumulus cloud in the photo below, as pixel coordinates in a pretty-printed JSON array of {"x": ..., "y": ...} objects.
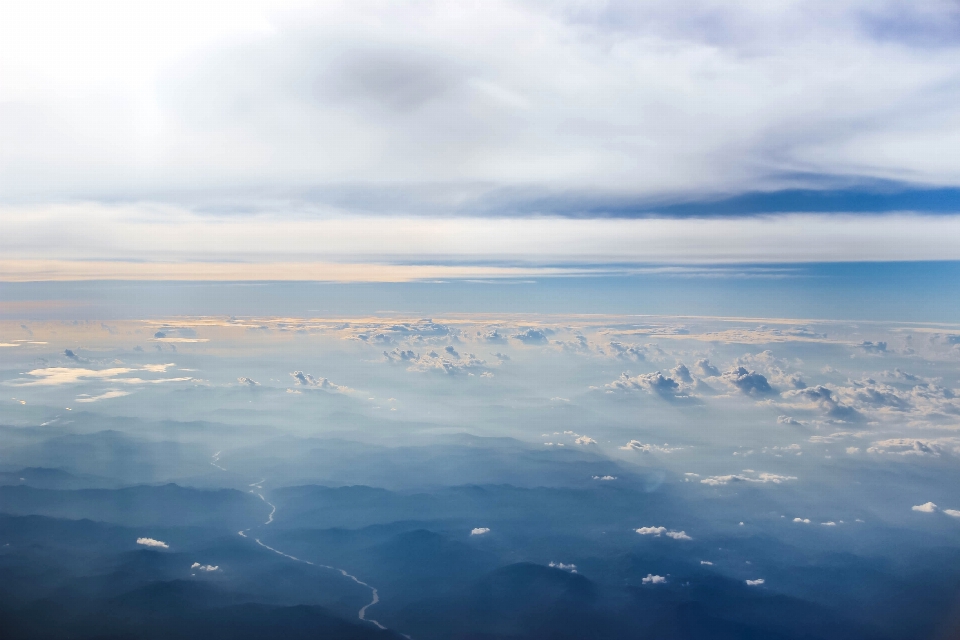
[
  {"x": 572, "y": 568},
  {"x": 654, "y": 383},
  {"x": 652, "y": 579},
  {"x": 822, "y": 398},
  {"x": 873, "y": 347},
  {"x": 150, "y": 542},
  {"x": 250, "y": 382},
  {"x": 208, "y": 568},
  {"x": 532, "y": 336},
  {"x": 706, "y": 369},
  {"x": 479, "y": 531},
  {"x": 915, "y": 446},
  {"x": 628, "y": 351},
  {"x": 605, "y": 478},
  {"x": 706, "y": 562},
  {"x": 749, "y": 382},
  {"x": 636, "y": 445},
  {"x": 788, "y": 420},
  {"x": 758, "y": 478},
  {"x": 658, "y": 531},
  {"x": 307, "y": 380},
  {"x": 926, "y": 507},
  {"x": 755, "y": 583},
  {"x": 952, "y": 512},
  {"x": 585, "y": 440},
  {"x": 802, "y": 520},
  {"x": 451, "y": 362}
]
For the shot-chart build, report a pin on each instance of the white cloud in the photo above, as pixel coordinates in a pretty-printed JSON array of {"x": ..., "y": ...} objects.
[
  {"x": 952, "y": 512},
  {"x": 803, "y": 520},
  {"x": 754, "y": 583},
  {"x": 572, "y": 568},
  {"x": 307, "y": 380},
  {"x": 150, "y": 542},
  {"x": 761, "y": 478},
  {"x": 55, "y": 376},
  {"x": 926, "y": 507},
  {"x": 916, "y": 446},
  {"x": 250, "y": 382},
  {"x": 636, "y": 445},
  {"x": 479, "y": 531},
  {"x": 707, "y": 562},
  {"x": 652, "y": 579},
  {"x": 829, "y": 524},
  {"x": 205, "y": 567},
  {"x": 658, "y": 531},
  {"x": 114, "y": 393},
  {"x": 606, "y": 478},
  {"x": 585, "y": 440}
]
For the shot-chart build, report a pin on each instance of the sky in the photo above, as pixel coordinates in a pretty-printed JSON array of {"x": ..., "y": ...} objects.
[{"x": 354, "y": 141}]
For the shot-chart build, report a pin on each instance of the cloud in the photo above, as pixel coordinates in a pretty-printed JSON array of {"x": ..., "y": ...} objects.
[
  {"x": 705, "y": 368},
  {"x": 605, "y": 478},
  {"x": 632, "y": 352},
  {"x": 250, "y": 382},
  {"x": 822, "y": 398},
  {"x": 652, "y": 579},
  {"x": 113, "y": 393},
  {"x": 654, "y": 383},
  {"x": 760, "y": 478},
  {"x": 952, "y": 512},
  {"x": 926, "y": 507},
  {"x": 208, "y": 568},
  {"x": 585, "y": 440},
  {"x": 749, "y": 382},
  {"x": 873, "y": 347},
  {"x": 532, "y": 336},
  {"x": 802, "y": 520},
  {"x": 755, "y": 583},
  {"x": 452, "y": 363},
  {"x": 681, "y": 373},
  {"x": 55, "y": 376},
  {"x": 706, "y": 562},
  {"x": 636, "y": 445},
  {"x": 150, "y": 542},
  {"x": 915, "y": 446},
  {"x": 70, "y": 354},
  {"x": 788, "y": 420},
  {"x": 658, "y": 531},
  {"x": 479, "y": 531},
  {"x": 829, "y": 524},
  {"x": 572, "y": 568},
  {"x": 307, "y": 380}
]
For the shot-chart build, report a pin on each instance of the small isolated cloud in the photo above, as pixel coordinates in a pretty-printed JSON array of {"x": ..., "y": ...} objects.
[
  {"x": 788, "y": 420},
  {"x": 659, "y": 531},
  {"x": 829, "y": 524},
  {"x": 204, "y": 567},
  {"x": 572, "y": 568},
  {"x": 307, "y": 380},
  {"x": 706, "y": 562},
  {"x": 103, "y": 396},
  {"x": 803, "y": 520},
  {"x": 585, "y": 440},
  {"x": 755, "y": 583},
  {"x": 636, "y": 445},
  {"x": 70, "y": 354},
  {"x": 250, "y": 382},
  {"x": 605, "y": 478},
  {"x": 652, "y": 579},
  {"x": 926, "y": 507},
  {"x": 55, "y": 376},
  {"x": 954, "y": 513},
  {"x": 150, "y": 542},
  {"x": 532, "y": 336},
  {"x": 494, "y": 337},
  {"x": 479, "y": 531},
  {"x": 761, "y": 478}
]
